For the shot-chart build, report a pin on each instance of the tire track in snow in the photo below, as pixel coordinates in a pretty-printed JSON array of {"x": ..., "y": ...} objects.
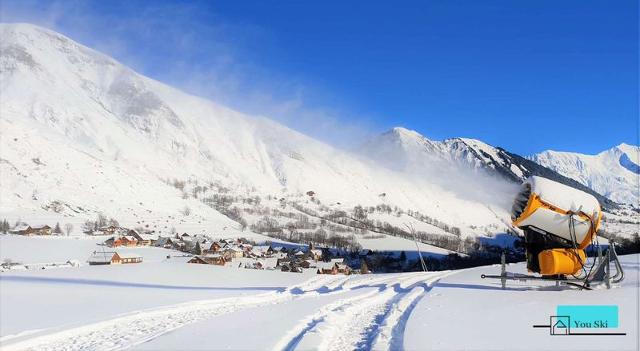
[
  {"x": 367, "y": 320},
  {"x": 128, "y": 330},
  {"x": 138, "y": 327}
]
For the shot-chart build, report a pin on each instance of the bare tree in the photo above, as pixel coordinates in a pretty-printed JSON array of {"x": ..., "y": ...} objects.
[
  {"x": 186, "y": 211},
  {"x": 101, "y": 220},
  {"x": 68, "y": 228},
  {"x": 89, "y": 226}
]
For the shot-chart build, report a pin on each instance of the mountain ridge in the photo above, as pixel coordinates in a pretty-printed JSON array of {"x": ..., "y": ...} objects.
[{"x": 89, "y": 135}]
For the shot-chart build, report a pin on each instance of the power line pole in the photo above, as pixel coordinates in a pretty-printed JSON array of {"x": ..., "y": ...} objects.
[{"x": 413, "y": 234}]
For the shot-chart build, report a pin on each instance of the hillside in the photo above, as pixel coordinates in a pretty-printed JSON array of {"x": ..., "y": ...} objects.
[{"x": 87, "y": 135}]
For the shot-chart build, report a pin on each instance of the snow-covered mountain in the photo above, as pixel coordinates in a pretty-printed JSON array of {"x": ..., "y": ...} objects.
[
  {"x": 408, "y": 151},
  {"x": 614, "y": 173},
  {"x": 82, "y": 133}
]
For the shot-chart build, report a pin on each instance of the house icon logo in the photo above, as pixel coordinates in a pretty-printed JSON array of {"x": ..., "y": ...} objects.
[{"x": 560, "y": 325}]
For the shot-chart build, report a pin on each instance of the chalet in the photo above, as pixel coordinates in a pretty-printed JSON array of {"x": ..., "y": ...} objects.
[
  {"x": 126, "y": 258},
  {"x": 334, "y": 267},
  {"x": 233, "y": 252},
  {"x": 126, "y": 241},
  {"x": 215, "y": 259},
  {"x": 41, "y": 230},
  {"x": 166, "y": 243},
  {"x": 104, "y": 258},
  {"x": 311, "y": 193},
  {"x": 148, "y": 239},
  {"x": 260, "y": 251},
  {"x": 144, "y": 239},
  {"x": 25, "y": 229},
  {"x": 101, "y": 258},
  {"x": 109, "y": 230},
  {"x": 282, "y": 262},
  {"x": 315, "y": 254},
  {"x": 109, "y": 242},
  {"x": 21, "y": 229},
  {"x": 246, "y": 248},
  {"x": 343, "y": 268},
  {"x": 215, "y": 247},
  {"x": 330, "y": 270}
]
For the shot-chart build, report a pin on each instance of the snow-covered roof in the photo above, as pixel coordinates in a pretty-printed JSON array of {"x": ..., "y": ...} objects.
[
  {"x": 101, "y": 257},
  {"x": 21, "y": 227},
  {"x": 149, "y": 236},
  {"x": 129, "y": 255},
  {"x": 212, "y": 255}
]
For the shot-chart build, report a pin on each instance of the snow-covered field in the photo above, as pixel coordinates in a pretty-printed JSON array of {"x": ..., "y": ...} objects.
[{"x": 167, "y": 304}]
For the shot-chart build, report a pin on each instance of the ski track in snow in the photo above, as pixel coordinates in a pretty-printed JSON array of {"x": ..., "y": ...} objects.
[
  {"x": 375, "y": 319},
  {"x": 353, "y": 322}
]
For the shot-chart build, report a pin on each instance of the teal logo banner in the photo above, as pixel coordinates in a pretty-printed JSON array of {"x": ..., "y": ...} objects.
[{"x": 590, "y": 316}]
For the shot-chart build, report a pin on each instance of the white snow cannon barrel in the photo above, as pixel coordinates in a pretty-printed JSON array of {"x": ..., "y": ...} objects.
[{"x": 559, "y": 223}]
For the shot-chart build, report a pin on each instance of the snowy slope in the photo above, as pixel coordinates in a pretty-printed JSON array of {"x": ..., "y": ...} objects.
[
  {"x": 89, "y": 134},
  {"x": 407, "y": 149},
  {"x": 451, "y": 159},
  {"x": 613, "y": 173}
]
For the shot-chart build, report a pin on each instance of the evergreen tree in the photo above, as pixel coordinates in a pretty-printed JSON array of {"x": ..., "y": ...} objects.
[
  {"x": 4, "y": 226},
  {"x": 57, "y": 230}
]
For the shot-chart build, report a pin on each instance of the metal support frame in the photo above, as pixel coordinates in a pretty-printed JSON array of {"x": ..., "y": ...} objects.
[{"x": 602, "y": 273}]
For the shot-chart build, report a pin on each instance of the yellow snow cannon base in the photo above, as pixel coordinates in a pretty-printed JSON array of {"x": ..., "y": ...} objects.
[{"x": 561, "y": 261}]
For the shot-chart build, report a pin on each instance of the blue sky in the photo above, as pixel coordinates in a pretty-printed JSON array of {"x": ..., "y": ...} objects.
[{"x": 524, "y": 75}]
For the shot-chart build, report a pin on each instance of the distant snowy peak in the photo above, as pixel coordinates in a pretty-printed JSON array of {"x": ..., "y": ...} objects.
[
  {"x": 613, "y": 173},
  {"x": 408, "y": 150}
]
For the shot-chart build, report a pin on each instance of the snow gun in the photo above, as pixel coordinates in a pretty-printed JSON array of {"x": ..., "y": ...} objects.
[{"x": 559, "y": 224}]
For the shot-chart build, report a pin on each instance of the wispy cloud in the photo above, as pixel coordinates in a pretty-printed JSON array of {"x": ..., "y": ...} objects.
[{"x": 202, "y": 53}]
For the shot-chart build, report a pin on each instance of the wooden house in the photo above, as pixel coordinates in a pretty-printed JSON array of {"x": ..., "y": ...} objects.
[
  {"x": 101, "y": 258},
  {"x": 126, "y": 241},
  {"x": 315, "y": 254},
  {"x": 109, "y": 230},
  {"x": 25, "y": 229},
  {"x": 126, "y": 258},
  {"x": 104, "y": 258},
  {"x": 215, "y": 247},
  {"x": 215, "y": 259}
]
